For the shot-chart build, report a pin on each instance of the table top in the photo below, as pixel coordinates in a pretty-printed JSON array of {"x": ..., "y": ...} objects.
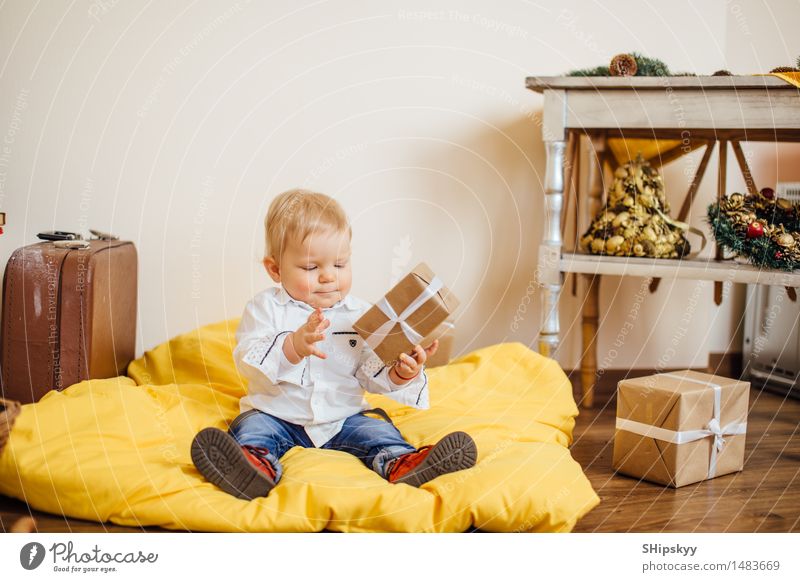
[
  {"x": 707, "y": 269},
  {"x": 749, "y": 108},
  {"x": 706, "y": 83}
]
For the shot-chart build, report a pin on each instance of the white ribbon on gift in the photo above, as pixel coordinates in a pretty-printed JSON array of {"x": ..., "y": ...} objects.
[
  {"x": 375, "y": 339},
  {"x": 712, "y": 428}
]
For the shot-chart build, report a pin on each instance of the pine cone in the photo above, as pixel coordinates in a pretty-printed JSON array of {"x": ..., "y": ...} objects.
[
  {"x": 623, "y": 65},
  {"x": 784, "y": 70}
]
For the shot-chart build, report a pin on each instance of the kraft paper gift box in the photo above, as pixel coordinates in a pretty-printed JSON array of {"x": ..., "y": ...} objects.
[
  {"x": 680, "y": 427},
  {"x": 408, "y": 314}
]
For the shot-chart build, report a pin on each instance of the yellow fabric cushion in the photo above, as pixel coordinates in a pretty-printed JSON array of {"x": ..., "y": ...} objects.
[{"x": 118, "y": 450}]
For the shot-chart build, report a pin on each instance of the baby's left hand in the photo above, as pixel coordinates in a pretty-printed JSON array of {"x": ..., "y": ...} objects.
[{"x": 408, "y": 367}]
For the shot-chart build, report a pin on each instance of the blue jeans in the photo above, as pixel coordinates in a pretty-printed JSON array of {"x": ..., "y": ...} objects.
[{"x": 373, "y": 441}]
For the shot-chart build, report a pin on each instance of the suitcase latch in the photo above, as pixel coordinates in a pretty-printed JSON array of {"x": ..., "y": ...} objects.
[
  {"x": 103, "y": 235},
  {"x": 71, "y": 244}
]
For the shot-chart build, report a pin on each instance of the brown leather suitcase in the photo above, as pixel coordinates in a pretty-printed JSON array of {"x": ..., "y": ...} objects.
[{"x": 69, "y": 314}]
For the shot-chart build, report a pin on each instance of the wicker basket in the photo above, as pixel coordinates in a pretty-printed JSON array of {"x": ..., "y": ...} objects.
[{"x": 9, "y": 409}]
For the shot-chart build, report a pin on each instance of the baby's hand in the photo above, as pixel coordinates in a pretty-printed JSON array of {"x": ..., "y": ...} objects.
[
  {"x": 302, "y": 341},
  {"x": 407, "y": 367}
]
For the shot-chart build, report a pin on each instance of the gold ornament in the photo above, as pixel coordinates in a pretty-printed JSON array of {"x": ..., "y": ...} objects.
[
  {"x": 612, "y": 244},
  {"x": 634, "y": 220},
  {"x": 735, "y": 201},
  {"x": 622, "y": 219},
  {"x": 607, "y": 217},
  {"x": 785, "y": 240}
]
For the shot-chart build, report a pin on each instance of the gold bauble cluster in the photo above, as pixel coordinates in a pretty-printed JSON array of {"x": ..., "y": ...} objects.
[{"x": 635, "y": 220}]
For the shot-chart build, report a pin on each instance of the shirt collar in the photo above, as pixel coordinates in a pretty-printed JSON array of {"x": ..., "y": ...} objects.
[{"x": 283, "y": 298}]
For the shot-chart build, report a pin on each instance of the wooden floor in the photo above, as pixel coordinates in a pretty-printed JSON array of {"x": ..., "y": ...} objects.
[
  {"x": 765, "y": 497},
  {"x": 12, "y": 510}
]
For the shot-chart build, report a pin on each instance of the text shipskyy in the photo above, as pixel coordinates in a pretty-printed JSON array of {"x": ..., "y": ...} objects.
[{"x": 687, "y": 551}]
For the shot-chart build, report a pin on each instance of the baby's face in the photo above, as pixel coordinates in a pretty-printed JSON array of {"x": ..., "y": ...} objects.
[{"x": 316, "y": 271}]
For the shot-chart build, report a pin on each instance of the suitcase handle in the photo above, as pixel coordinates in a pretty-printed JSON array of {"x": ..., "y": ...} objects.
[
  {"x": 58, "y": 235},
  {"x": 63, "y": 235}
]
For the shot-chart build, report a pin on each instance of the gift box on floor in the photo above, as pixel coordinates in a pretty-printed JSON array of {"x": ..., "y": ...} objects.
[
  {"x": 410, "y": 313},
  {"x": 681, "y": 427}
]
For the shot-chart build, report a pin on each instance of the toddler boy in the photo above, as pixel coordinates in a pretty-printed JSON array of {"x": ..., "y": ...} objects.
[{"x": 307, "y": 369}]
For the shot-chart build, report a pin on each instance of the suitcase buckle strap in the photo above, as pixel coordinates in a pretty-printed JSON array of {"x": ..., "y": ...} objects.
[{"x": 71, "y": 244}]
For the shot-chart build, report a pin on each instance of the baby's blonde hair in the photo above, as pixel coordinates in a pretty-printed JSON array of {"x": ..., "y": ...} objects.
[{"x": 297, "y": 213}]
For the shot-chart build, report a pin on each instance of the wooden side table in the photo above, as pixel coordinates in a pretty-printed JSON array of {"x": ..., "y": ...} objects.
[{"x": 695, "y": 111}]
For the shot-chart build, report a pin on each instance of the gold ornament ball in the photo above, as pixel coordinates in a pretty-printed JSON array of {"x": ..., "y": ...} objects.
[
  {"x": 613, "y": 244},
  {"x": 786, "y": 240},
  {"x": 735, "y": 201}
]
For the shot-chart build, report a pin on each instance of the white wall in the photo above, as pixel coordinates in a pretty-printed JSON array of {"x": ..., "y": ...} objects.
[{"x": 174, "y": 125}]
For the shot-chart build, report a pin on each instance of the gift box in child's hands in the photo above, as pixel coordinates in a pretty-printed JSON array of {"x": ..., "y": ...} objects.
[
  {"x": 680, "y": 427},
  {"x": 407, "y": 315}
]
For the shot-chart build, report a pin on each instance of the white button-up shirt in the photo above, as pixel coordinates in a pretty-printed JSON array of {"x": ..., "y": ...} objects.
[{"x": 316, "y": 394}]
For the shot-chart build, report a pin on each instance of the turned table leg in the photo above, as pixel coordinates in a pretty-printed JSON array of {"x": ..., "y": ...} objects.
[
  {"x": 548, "y": 271},
  {"x": 590, "y": 311}
]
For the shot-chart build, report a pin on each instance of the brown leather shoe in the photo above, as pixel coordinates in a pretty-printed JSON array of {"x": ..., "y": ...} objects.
[
  {"x": 242, "y": 471},
  {"x": 454, "y": 452}
]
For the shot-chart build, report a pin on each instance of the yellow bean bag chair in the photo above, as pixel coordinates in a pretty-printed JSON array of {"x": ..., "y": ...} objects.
[{"x": 118, "y": 450}]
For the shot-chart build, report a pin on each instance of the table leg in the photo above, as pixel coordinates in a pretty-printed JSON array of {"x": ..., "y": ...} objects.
[
  {"x": 548, "y": 271},
  {"x": 721, "y": 186},
  {"x": 589, "y": 319},
  {"x": 589, "y": 313}
]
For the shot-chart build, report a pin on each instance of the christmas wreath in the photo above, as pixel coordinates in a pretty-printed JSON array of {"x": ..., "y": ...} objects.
[{"x": 761, "y": 228}]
